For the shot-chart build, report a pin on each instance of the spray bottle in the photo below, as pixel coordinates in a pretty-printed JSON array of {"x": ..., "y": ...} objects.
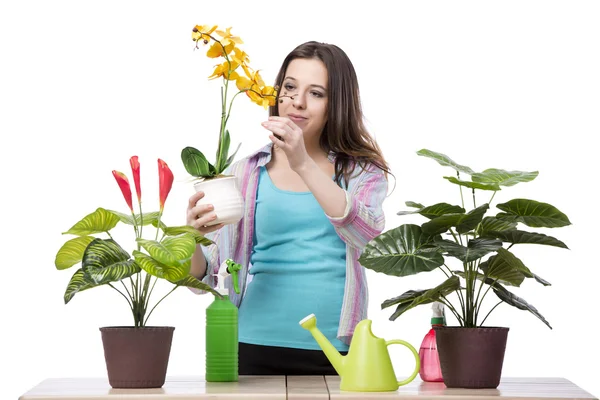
[
  {"x": 430, "y": 361},
  {"x": 222, "y": 329}
]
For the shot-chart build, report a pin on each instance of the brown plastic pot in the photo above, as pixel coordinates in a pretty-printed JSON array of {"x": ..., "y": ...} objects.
[
  {"x": 137, "y": 357},
  {"x": 471, "y": 357}
]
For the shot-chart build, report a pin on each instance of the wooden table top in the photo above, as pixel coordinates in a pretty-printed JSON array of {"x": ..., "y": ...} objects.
[{"x": 296, "y": 387}]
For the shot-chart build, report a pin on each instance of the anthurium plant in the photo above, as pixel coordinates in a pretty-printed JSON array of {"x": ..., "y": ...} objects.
[
  {"x": 104, "y": 262},
  {"x": 226, "y": 47},
  {"x": 480, "y": 243}
]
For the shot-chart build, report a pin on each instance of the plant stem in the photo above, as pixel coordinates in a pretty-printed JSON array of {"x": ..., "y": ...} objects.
[
  {"x": 451, "y": 308},
  {"x": 231, "y": 105},
  {"x": 121, "y": 293},
  {"x": 462, "y": 200},
  {"x": 484, "y": 294},
  {"x": 150, "y": 313},
  {"x": 488, "y": 314},
  {"x": 474, "y": 204},
  {"x": 141, "y": 222}
]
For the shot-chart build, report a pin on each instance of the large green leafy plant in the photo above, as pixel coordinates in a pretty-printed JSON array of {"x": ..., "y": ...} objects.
[
  {"x": 104, "y": 262},
  {"x": 479, "y": 242}
]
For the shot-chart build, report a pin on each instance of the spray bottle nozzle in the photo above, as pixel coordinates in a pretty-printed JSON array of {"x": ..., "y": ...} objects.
[
  {"x": 439, "y": 314},
  {"x": 228, "y": 267}
]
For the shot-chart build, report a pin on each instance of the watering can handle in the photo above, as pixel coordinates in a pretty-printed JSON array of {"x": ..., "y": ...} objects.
[{"x": 417, "y": 359}]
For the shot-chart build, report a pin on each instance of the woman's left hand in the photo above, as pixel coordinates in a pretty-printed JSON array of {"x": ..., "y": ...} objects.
[{"x": 291, "y": 142}]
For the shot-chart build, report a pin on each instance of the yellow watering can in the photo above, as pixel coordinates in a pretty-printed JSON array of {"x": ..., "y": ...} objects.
[{"x": 367, "y": 366}]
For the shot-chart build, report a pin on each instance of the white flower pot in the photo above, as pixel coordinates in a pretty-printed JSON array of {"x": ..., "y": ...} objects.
[{"x": 224, "y": 194}]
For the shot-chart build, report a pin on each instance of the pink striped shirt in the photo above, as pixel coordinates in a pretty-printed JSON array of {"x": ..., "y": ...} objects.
[{"x": 363, "y": 219}]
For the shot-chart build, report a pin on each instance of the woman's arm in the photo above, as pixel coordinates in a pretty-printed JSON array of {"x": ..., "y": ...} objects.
[{"x": 330, "y": 196}]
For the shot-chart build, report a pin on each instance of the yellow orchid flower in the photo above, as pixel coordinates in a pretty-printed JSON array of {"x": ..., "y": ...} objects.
[
  {"x": 256, "y": 78},
  {"x": 224, "y": 44},
  {"x": 201, "y": 32},
  {"x": 243, "y": 83},
  {"x": 240, "y": 56},
  {"x": 216, "y": 50},
  {"x": 222, "y": 70},
  {"x": 228, "y": 37}
]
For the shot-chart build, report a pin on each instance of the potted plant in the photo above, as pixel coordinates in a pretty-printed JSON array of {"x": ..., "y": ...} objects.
[
  {"x": 471, "y": 355},
  {"x": 136, "y": 356},
  {"x": 221, "y": 190}
]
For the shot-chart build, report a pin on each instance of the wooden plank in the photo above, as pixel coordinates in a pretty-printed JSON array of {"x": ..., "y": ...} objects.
[
  {"x": 307, "y": 387},
  {"x": 180, "y": 388},
  {"x": 509, "y": 389}
]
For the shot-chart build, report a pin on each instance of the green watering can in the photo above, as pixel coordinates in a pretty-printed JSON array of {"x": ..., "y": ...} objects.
[{"x": 367, "y": 366}]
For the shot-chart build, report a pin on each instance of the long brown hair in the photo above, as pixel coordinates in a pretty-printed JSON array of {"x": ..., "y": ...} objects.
[{"x": 344, "y": 133}]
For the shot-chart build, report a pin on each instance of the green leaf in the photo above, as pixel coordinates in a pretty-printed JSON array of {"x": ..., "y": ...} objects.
[
  {"x": 462, "y": 222},
  {"x": 177, "y": 230},
  {"x": 105, "y": 261},
  {"x": 190, "y": 281},
  {"x": 475, "y": 249},
  {"x": 413, "y": 204},
  {"x": 502, "y": 177},
  {"x": 516, "y": 237},
  {"x": 195, "y": 163},
  {"x": 170, "y": 272},
  {"x": 533, "y": 213},
  {"x": 72, "y": 252},
  {"x": 507, "y": 267},
  {"x": 479, "y": 277},
  {"x": 100, "y": 220},
  {"x": 435, "y": 210},
  {"x": 450, "y": 285},
  {"x": 172, "y": 250},
  {"x": 222, "y": 152},
  {"x": 445, "y": 161},
  {"x": 516, "y": 301},
  {"x": 493, "y": 224},
  {"x": 474, "y": 185},
  {"x": 406, "y": 297},
  {"x": 77, "y": 284},
  {"x": 230, "y": 159},
  {"x": 144, "y": 219},
  {"x": 402, "y": 251}
]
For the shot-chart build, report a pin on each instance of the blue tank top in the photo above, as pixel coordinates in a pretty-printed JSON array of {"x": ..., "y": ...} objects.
[{"x": 297, "y": 268}]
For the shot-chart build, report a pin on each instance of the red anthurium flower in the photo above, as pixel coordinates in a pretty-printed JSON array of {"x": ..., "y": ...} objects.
[
  {"x": 135, "y": 168},
  {"x": 125, "y": 188},
  {"x": 165, "y": 181}
]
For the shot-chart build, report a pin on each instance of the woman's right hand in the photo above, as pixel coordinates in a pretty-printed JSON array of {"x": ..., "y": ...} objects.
[{"x": 199, "y": 216}]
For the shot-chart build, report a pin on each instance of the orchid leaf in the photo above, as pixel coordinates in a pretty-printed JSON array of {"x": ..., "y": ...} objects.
[{"x": 195, "y": 163}]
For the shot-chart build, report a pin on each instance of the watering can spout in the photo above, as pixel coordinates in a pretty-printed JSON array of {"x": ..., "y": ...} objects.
[{"x": 335, "y": 358}]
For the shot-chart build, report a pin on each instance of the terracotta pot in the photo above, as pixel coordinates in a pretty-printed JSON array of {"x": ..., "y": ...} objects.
[
  {"x": 224, "y": 194},
  {"x": 471, "y": 357},
  {"x": 137, "y": 357}
]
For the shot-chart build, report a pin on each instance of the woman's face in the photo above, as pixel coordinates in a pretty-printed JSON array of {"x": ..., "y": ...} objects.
[{"x": 304, "y": 95}]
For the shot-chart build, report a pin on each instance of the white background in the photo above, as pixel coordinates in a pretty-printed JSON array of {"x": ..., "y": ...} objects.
[{"x": 85, "y": 85}]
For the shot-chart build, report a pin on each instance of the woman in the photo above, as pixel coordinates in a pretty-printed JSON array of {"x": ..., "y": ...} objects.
[{"x": 313, "y": 200}]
